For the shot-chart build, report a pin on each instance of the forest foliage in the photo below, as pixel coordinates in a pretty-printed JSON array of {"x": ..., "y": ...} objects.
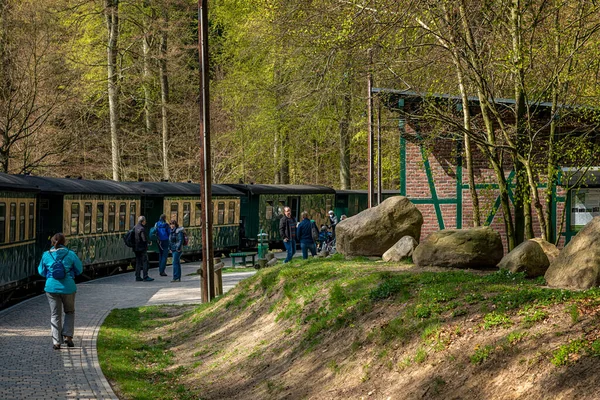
[{"x": 288, "y": 85}]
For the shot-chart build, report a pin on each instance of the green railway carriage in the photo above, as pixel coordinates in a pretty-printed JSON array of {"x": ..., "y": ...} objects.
[
  {"x": 18, "y": 235},
  {"x": 351, "y": 202},
  {"x": 93, "y": 216},
  {"x": 181, "y": 201},
  {"x": 262, "y": 208}
]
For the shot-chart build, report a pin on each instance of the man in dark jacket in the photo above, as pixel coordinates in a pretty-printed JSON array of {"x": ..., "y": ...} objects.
[
  {"x": 141, "y": 250},
  {"x": 287, "y": 231},
  {"x": 304, "y": 233}
]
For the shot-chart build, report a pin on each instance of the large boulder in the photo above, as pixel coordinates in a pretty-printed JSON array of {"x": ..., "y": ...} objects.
[
  {"x": 402, "y": 249},
  {"x": 478, "y": 248},
  {"x": 549, "y": 248},
  {"x": 528, "y": 257},
  {"x": 578, "y": 264},
  {"x": 373, "y": 231}
]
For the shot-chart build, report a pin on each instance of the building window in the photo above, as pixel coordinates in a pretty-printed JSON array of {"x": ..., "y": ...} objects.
[
  {"x": 122, "y": 216},
  {"x": 112, "y": 209},
  {"x": 87, "y": 218},
  {"x": 99, "y": 217},
  {"x": 221, "y": 214},
  {"x": 186, "y": 214},
  {"x": 2, "y": 222},
  {"x": 31, "y": 220},
  {"x": 21, "y": 221},
  {"x": 231, "y": 213},
  {"x": 132, "y": 215},
  {"x": 12, "y": 228},
  {"x": 74, "y": 218},
  {"x": 175, "y": 212},
  {"x": 269, "y": 210},
  {"x": 198, "y": 214}
]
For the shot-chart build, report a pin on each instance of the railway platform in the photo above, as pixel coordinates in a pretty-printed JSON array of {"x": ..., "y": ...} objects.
[{"x": 31, "y": 369}]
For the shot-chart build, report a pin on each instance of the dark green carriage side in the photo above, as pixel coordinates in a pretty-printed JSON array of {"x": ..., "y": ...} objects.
[
  {"x": 352, "y": 202},
  {"x": 19, "y": 252},
  {"x": 262, "y": 207}
]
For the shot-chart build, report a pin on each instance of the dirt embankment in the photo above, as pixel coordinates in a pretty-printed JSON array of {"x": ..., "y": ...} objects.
[{"x": 247, "y": 347}]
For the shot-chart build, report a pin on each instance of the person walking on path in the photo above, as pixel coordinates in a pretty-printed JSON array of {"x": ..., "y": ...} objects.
[
  {"x": 59, "y": 266},
  {"x": 305, "y": 236},
  {"x": 163, "y": 232},
  {"x": 176, "y": 246},
  {"x": 141, "y": 250},
  {"x": 287, "y": 231}
]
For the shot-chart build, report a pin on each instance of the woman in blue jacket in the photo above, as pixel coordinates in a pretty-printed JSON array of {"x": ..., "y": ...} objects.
[
  {"x": 61, "y": 292},
  {"x": 176, "y": 246}
]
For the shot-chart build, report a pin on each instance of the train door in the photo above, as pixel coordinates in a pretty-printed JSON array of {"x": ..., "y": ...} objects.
[
  {"x": 294, "y": 204},
  {"x": 50, "y": 218}
]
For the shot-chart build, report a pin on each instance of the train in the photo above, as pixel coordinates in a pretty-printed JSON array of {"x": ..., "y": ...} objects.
[{"x": 94, "y": 215}]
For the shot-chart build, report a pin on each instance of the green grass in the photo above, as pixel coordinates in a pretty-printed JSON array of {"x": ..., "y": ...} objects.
[
  {"x": 313, "y": 299},
  {"x": 140, "y": 367}
]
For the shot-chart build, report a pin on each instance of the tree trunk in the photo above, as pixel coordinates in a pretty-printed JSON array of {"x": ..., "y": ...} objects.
[
  {"x": 6, "y": 83},
  {"x": 146, "y": 84},
  {"x": 112, "y": 25},
  {"x": 164, "y": 98},
  {"x": 345, "y": 183}
]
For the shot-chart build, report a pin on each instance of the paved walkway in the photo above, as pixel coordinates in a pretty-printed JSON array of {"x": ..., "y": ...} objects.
[{"x": 31, "y": 369}]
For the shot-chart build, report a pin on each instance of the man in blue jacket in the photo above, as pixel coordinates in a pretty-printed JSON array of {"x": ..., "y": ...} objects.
[
  {"x": 163, "y": 231},
  {"x": 304, "y": 234}
]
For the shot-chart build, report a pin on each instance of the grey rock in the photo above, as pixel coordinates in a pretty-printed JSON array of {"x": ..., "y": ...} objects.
[
  {"x": 477, "y": 248},
  {"x": 272, "y": 262},
  {"x": 528, "y": 257},
  {"x": 373, "y": 231},
  {"x": 578, "y": 264},
  {"x": 402, "y": 249}
]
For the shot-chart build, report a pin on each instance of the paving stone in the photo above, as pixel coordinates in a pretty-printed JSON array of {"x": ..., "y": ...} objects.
[{"x": 28, "y": 363}]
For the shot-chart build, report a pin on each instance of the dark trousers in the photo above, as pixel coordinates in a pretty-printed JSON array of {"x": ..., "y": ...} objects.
[
  {"x": 163, "y": 254},
  {"x": 141, "y": 263},
  {"x": 306, "y": 247}
]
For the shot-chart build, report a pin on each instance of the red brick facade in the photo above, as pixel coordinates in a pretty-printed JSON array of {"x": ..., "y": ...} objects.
[{"x": 442, "y": 160}]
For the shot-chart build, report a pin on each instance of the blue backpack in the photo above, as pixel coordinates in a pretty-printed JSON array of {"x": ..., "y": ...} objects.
[
  {"x": 162, "y": 230},
  {"x": 57, "y": 269}
]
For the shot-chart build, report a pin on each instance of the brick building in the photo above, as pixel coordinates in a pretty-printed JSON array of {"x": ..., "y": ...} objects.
[{"x": 433, "y": 176}]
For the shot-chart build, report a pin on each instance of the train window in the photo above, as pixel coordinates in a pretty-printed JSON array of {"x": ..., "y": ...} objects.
[
  {"x": 31, "y": 220},
  {"x": 21, "y": 221},
  {"x": 112, "y": 209},
  {"x": 2, "y": 222},
  {"x": 186, "y": 214},
  {"x": 12, "y": 228},
  {"x": 221, "y": 214},
  {"x": 356, "y": 209},
  {"x": 328, "y": 204},
  {"x": 281, "y": 207},
  {"x": 198, "y": 215},
  {"x": 231, "y": 213},
  {"x": 99, "y": 217},
  {"x": 175, "y": 212},
  {"x": 74, "y": 218},
  {"x": 87, "y": 218},
  {"x": 269, "y": 210},
  {"x": 132, "y": 215},
  {"x": 122, "y": 216}
]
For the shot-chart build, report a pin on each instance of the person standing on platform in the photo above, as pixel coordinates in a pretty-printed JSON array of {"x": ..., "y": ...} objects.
[
  {"x": 163, "y": 232},
  {"x": 176, "y": 246},
  {"x": 287, "y": 231},
  {"x": 59, "y": 266},
  {"x": 305, "y": 236},
  {"x": 141, "y": 250}
]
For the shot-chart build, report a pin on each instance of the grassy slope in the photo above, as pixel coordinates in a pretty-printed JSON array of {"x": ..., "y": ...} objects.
[{"x": 347, "y": 329}]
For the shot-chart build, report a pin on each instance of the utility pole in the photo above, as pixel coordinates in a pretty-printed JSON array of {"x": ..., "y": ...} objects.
[
  {"x": 379, "y": 151},
  {"x": 370, "y": 126},
  {"x": 208, "y": 267}
]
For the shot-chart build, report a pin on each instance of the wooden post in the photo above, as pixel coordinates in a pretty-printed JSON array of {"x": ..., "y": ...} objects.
[{"x": 208, "y": 284}]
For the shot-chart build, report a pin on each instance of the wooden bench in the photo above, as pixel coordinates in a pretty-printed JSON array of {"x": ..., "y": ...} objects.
[{"x": 243, "y": 256}]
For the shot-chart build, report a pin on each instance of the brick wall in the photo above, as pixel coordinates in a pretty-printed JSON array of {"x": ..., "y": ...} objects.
[{"x": 442, "y": 162}]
